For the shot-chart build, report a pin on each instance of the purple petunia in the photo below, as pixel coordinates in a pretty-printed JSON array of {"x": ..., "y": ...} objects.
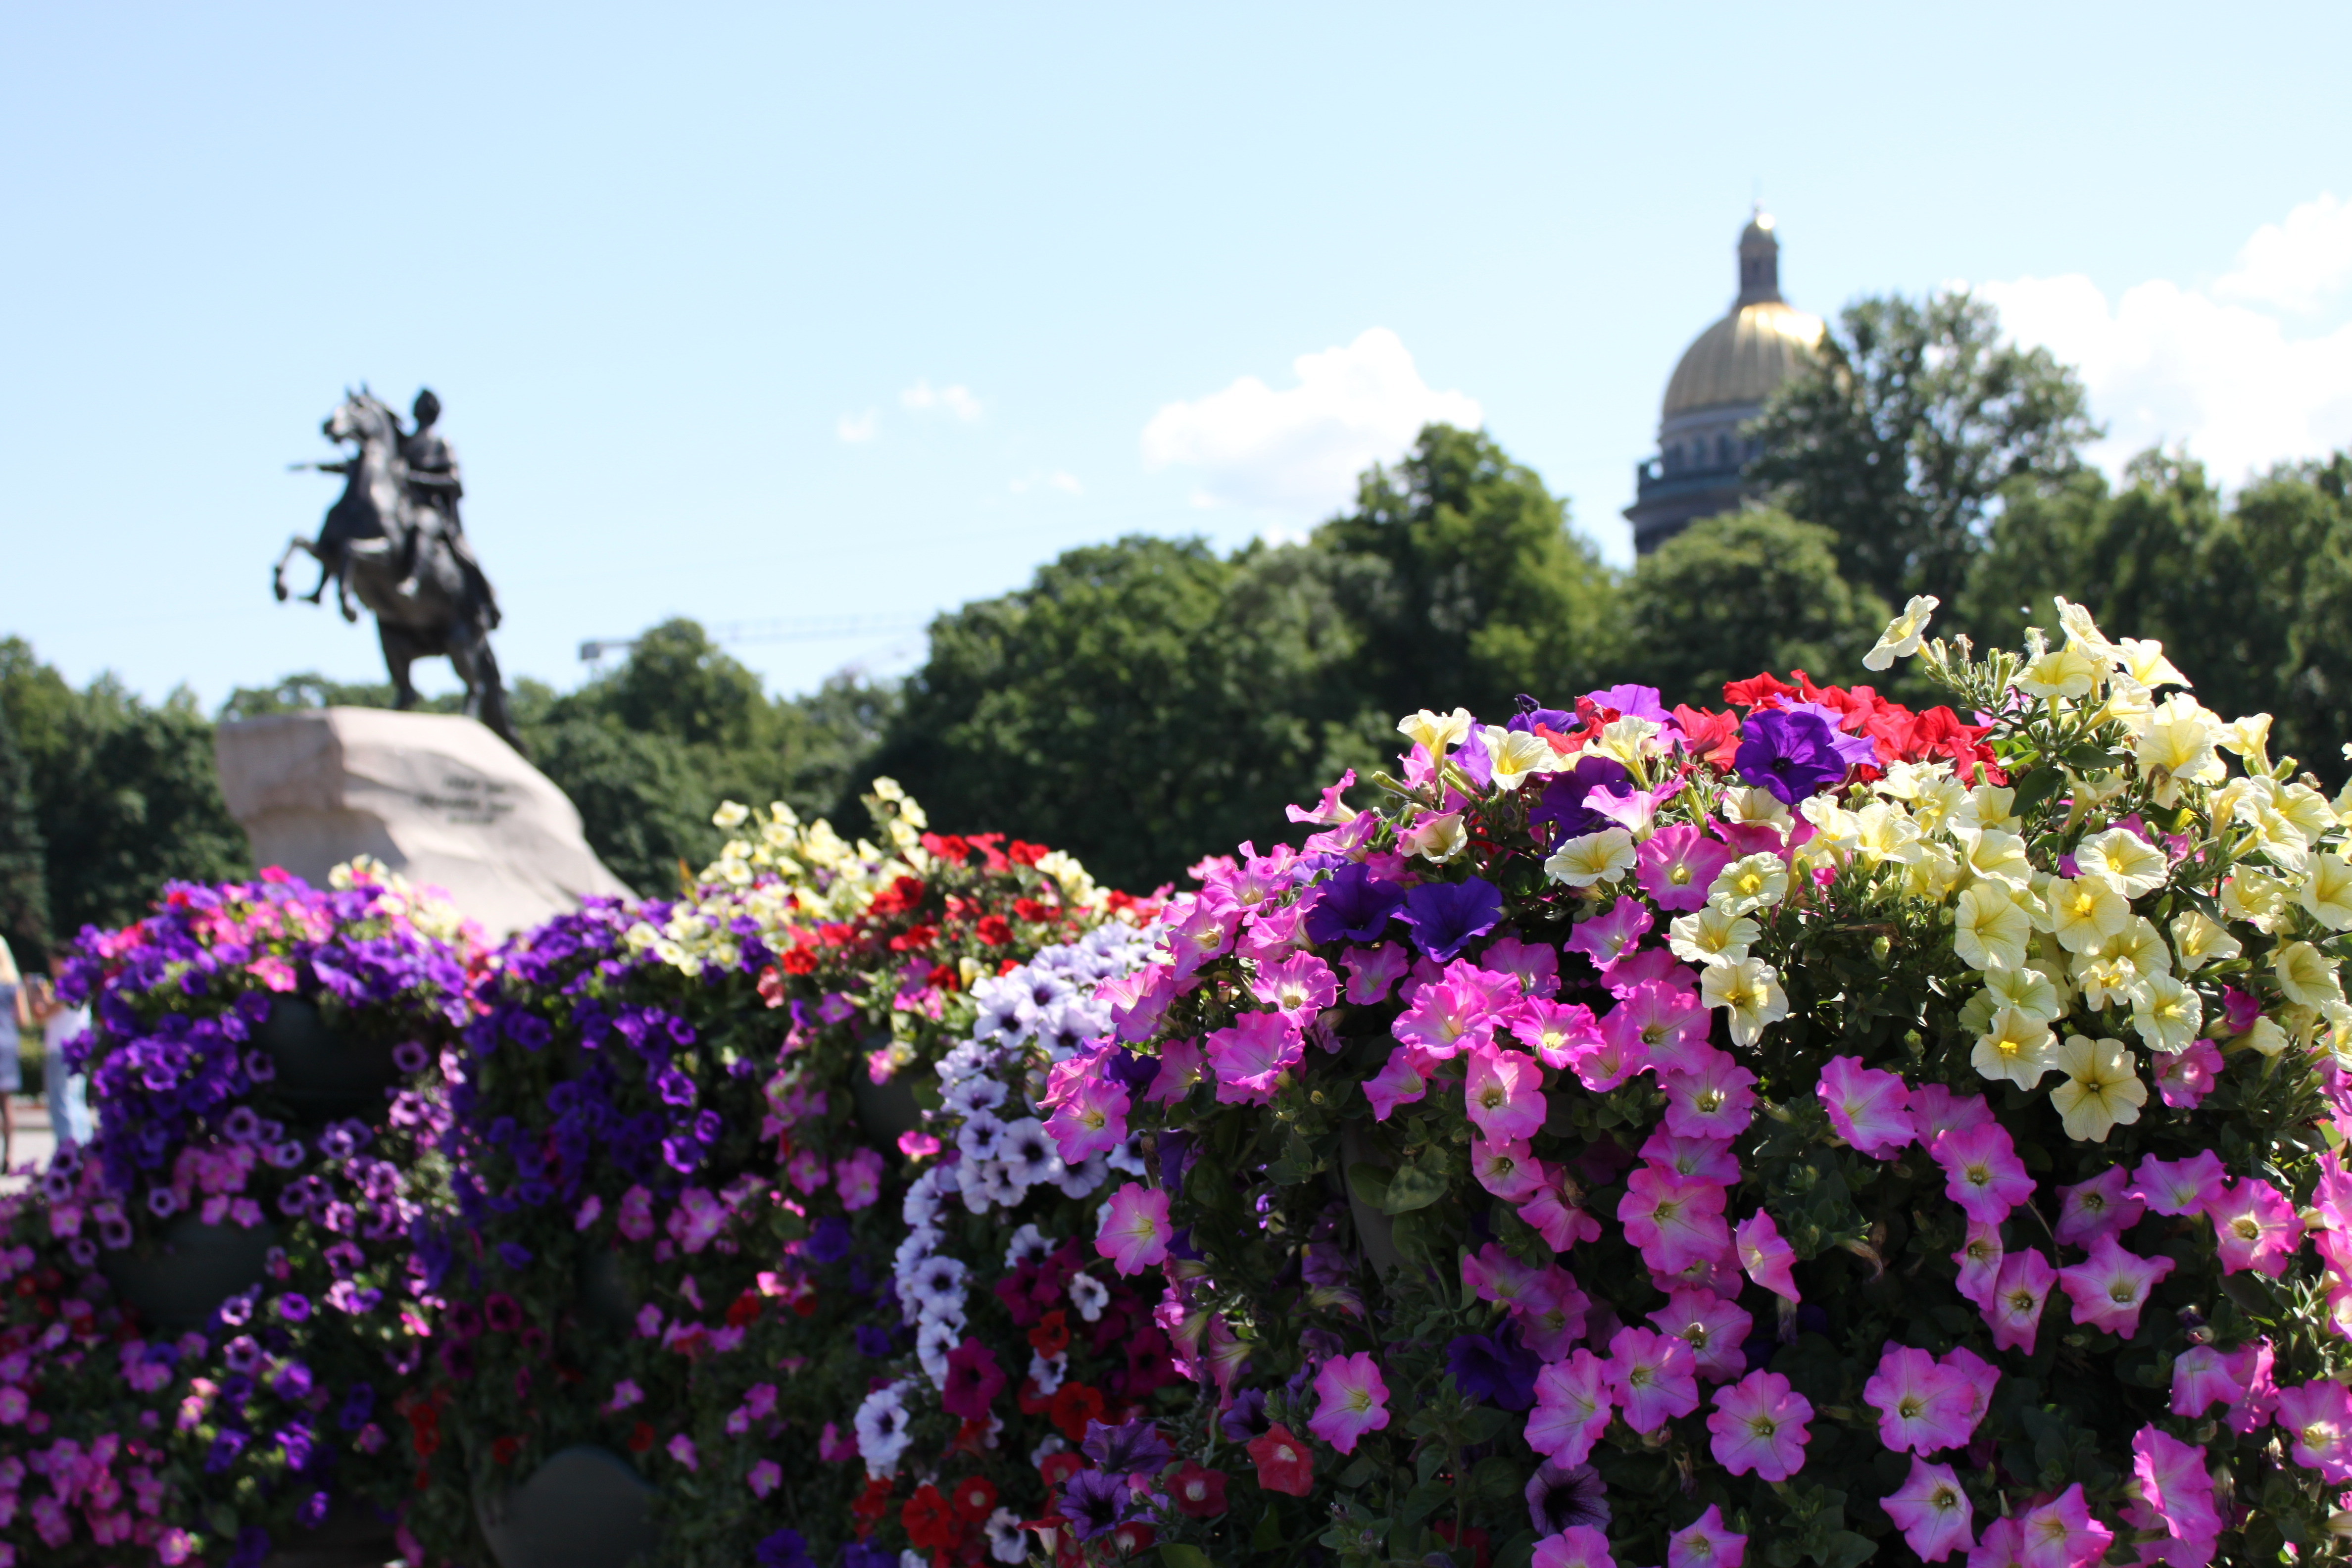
[
  {"x": 1352, "y": 906},
  {"x": 1493, "y": 1367},
  {"x": 1096, "y": 1502},
  {"x": 1792, "y": 756},
  {"x": 1446, "y": 917}
]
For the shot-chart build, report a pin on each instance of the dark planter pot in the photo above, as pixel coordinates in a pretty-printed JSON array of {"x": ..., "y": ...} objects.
[
  {"x": 323, "y": 1072},
  {"x": 1375, "y": 1231},
  {"x": 352, "y": 1536},
  {"x": 586, "y": 1507},
  {"x": 191, "y": 1270}
]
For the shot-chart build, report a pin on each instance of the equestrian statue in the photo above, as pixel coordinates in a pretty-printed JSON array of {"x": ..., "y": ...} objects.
[{"x": 394, "y": 538}]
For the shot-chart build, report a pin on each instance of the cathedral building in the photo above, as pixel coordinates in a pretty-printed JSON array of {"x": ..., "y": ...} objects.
[{"x": 1721, "y": 383}]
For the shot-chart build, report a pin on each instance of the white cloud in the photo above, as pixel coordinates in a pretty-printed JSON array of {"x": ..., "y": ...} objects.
[
  {"x": 856, "y": 428},
  {"x": 2224, "y": 371},
  {"x": 1299, "y": 451},
  {"x": 957, "y": 400}
]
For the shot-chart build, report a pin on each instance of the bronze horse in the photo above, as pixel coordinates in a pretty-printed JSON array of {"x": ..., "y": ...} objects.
[{"x": 379, "y": 524}]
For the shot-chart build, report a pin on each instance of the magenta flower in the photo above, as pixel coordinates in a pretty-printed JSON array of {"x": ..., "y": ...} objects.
[
  {"x": 681, "y": 1448},
  {"x": 1977, "y": 1379},
  {"x": 1708, "y": 1160},
  {"x": 1868, "y": 1108},
  {"x": 2318, "y": 1416},
  {"x": 1552, "y": 1317},
  {"x": 1677, "y": 865},
  {"x": 1932, "y": 1511},
  {"x": 1715, "y": 1101},
  {"x": 1181, "y": 1066},
  {"x": 2184, "y": 1079},
  {"x": 2175, "y": 1496},
  {"x": 1458, "y": 1012},
  {"x": 1372, "y": 970},
  {"x": 1557, "y": 1032},
  {"x": 2002, "y": 1545},
  {"x": 1135, "y": 1228},
  {"x": 1655, "y": 1025},
  {"x": 1509, "y": 1170},
  {"x": 2100, "y": 1206},
  {"x": 2249, "y": 1367},
  {"x": 1572, "y": 1407},
  {"x": 1652, "y": 1376},
  {"x": 1758, "y": 1425},
  {"x": 1674, "y": 1220},
  {"x": 1249, "y": 1058},
  {"x": 973, "y": 1380},
  {"x": 1505, "y": 1091},
  {"x": 1715, "y": 1330},
  {"x": 1578, "y": 1546},
  {"x": 2110, "y": 1288},
  {"x": 1093, "y": 1120},
  {"x": 2200, "y": 1380},
  {"x": 2061, "y": 1533},
  {"x": 2255, "y": 1226},
  {"x": 1493, "y": 1275},
  {"x": 1350, "y": 1400},
  {"x": 1766, "y": 1256},
  {"x": 1705, "y": 1543},
  {"x": 2178, "y": 1186},
  {"x": 1982, "y": 1171},
  {"x": 1561, "y": 1222},
  {"x": 1405, "y": 1078},
  {"x": 1936, "y": 1110},
  {"x": 1299, "y": 986},
  {"x": 1604, "y": 938},
  {"x": 2013, "y": 1308},
  {"x": 1922, "y": 1405},
  {"x": 1978, "y": 1260}
]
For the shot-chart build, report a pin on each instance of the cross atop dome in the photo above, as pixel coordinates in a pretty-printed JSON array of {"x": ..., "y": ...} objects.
[{"x": 1760, "y": 261}]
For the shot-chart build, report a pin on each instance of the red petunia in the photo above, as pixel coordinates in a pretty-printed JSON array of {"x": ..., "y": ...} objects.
[
  {"x": 1075, "y": 1405},
  {"x": 993, "y": 930},
  {"x": 1284, "y": 1463},
  {"x": 1052, "y": 1334},
  {"x": 1025, "y": 854},
  {"x": 641, "y": 1437},
  {"x": 973, "y": 1498},
  {"x": 1198, "y": 1492},
  {"x": 928, "y": 1519},
  {"x": 1710, "y": 737},
  {"x": 1756, "y": 690},
  {"x": 1057, "y": 1468}
]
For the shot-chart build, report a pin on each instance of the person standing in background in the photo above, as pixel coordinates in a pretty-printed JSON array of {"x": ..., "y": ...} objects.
[
  {"x": 68, "y": 1093},
  {"x": 16, "y": 1013}
]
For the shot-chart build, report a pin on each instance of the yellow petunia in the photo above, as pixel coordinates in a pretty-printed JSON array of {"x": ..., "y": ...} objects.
[
  {"x": 2024, "y": 990},
  {"x": 2084, "y": 911},
  {"x": 1749, "y": 993},
  {"x": 2178, "y": 748},
  {"x": 1594, "y": 859},
  {"x": 2199, "y": 940},
  {"x": 2306, "y": 974},
  {"x": 2327, "y": 891},
  {"x": 1989, "y": 930},
  {"x": 1750, "y": 882},
  {"x": 2062, "y": 672},
  {"x": 2167, "y": 1015},
  {"x": 2102, "y": 1090},
  {"x": 1435, "y": 735},
  {"x": 1901, "y": 637},
  {"x": 2016, "y": 1047},
  {"x": 2125, "y": 859}
]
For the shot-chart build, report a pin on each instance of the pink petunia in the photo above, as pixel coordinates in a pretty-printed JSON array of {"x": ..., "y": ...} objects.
[
  {"x": 2111, "y": 1286},
  {"x": 1715, "y": 1329},
  {"x": 1715, "y": 1100},
  {"x": 1351, "y": 1399},
  {"x": 1705, "y": 1543},
  {"x": 2318, "y": 1416},
  {"x": 2100, "y": 1206},
  {"x": 1652, "y": 1376},
  {"x": 1642, "y": 966},
  {"x": 1534, "y": 965},
  {"x": 1677, "y": 864},
  {"x": 1758, "y": 1425},
  {"x": 2175, "y": 1496},
  {"x": 1510, "y": 1170},
  {"x": 1299, "y": 986},
  {"x": 2061, "y": 1533},
  {"x": 2200, "y": 1380},
  {"x": 2184, "y": 1079},
  {"x": 1493, "y": 1275},
  {"x": 1557, "y": 1032},
  {"x": 1675, "y": 1222},
  {"x": 2178, "y": 1186},
  {"x": 857, "y": 1179},
  {"x": 1982, "y": 1171},
  {"x": 2002, "y": 1545},
  {"x": 1504, "y": 1092},
  {"x": 1936, "y": 1110},
  {"x": 1181, "y": 1066},
  {"x": 1922, "y": 1406},
  {"x": 2249, "y": 1367},
  {"x": 1700, "y": 1159},
  {"x": 2013, "y": 1306},
  {"x": 1978, "y": 1376},
  {"x": 1552, "y": 1316},
  {"x": 1604, "y": 938},
  {"x": 1654, "y": 1025},
  {"x": 1135, "y": 1228},
  {"x": 1200, "y": 926},
  {"x": 1458, "y": 1013},
  {"x": 1978, "y": 1261},
  {"x": 1250, "y": 1058},
  {"x": 1578, "y": 1546},
  {"x": 1868, "y": 1108},
  {"x": 1932, "y": 1511},
  {"x": 2255, "y": 1227},
  {"x": 1561, "y": 1222},
  {"x": 1372, "y": 970},
  {"x": 1572, "y": 1407},
  {"x": 1092, "y": 1120},
  {"x": 1403, "y": 1079},
  {"x": 1766, "y": 1256}
]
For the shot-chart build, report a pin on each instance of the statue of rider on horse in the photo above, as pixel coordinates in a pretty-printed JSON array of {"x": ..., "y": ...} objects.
[{"x": 394, "y": 538}]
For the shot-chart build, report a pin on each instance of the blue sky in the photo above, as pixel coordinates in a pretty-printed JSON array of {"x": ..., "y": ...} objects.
[{"x": 789, "y": 312}]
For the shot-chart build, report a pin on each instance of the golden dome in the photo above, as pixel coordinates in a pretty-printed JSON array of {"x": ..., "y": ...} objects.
[{"x": 1743, "y": 357}]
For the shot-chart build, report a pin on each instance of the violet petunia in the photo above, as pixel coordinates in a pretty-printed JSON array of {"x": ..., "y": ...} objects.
[
  {"x": 1352, "y": 906},
  {"x": 1789, "y": 755},
  {"x": 1446, "y": 917}
]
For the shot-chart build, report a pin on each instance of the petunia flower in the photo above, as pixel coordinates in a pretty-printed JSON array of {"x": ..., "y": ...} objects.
[
  {"x": 1901, "y": 640},
  {"x": 1712, "y": 936},
  {"x": 1715, "y": 1100},
  {"x": 2250, "y": 1366},
  {"x": 1197, "y": 1491},
  {"x": 1677, "y": 864},
  {"x": 1559, "y": 1033},
  {"x": 1592, "y": 858},
  {"x": 2103, "y": 1205},
  {"x": 1578, "y": 1546},
  {"x": 1932, "y": 1511},
  {"x": 1573, "y": 1406},
  {"x": 2101, "y": 1088},
  {"x": 1767, "y": 1257},
  {"x": 1982, "y": 1171},
  {"x": 1561, "y": 1222},
  {"x": 2110, "y": 1288},
  {"x": 1604, "y": 938},
  {"x": 1135, "y": 1228},
  {"x": 1298, "y": 986},
  {"x": 1092, "y": 1120},
  {"x": 1351, "y": 905},
  {"x": 1978, "y": 1261},
  {"x": 1675, "y": 1222},
  {"x": 1758, "y": 1425},
  {"x": 2318, "y": 1416},
  {"x": 1792, "y": 756},
  {"x": 1493, "y": 1367},
  {"x": 1705, "y": 1542},
  {"x": 2186, "y": 1077},
  {"x": 1708, "y": 1160},
  {"x": 1652, "y": 1376},
  {"x": 1867, "y": 1107},
  {"x": 1459, "y": 1011},
  {"x": 2013, "y": 1306},
  {"x": 2002, "y": 1545},
  {"x": 1284, "y": 1463},
  {"x": 2175, "y": 1496},
  {"x": 1509, "y": 1169},
  {"x": 1249, "y": 1058},
  {"x": 1562, "y": 1497},
  {"x": 1752, "y": 883},
  {"x": 1505, "y": 1094},
  {"x": 1446, "y": 917},
  {"x": 1404, "y": 1078},
  {"x": 2200, "y": 1380},
  {"x": 2255, "y": 1227},
  {"x": 1749, "y": 994},
  {"x": 973, "y": 1380},
  {"x": 2178, "y": 1186},
  {"x": 2061, "y": 1533},
  {"x": 1654, "y": 1025},
  {"x": 2015, "y": 1047},
  {"x": 1922, "y": 1406}
]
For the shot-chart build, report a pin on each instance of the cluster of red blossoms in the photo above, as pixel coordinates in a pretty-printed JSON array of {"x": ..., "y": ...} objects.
[{"x": 1894, "y": 732}]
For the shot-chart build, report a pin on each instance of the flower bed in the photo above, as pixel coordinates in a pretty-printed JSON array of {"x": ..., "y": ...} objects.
[
  {"x": 205, "y": 1316},
  {"x": 1809, "y": 1132}
]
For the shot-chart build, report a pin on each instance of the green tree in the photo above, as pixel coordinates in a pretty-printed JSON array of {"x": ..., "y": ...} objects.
[
  {"x": 1139, "y": 703},
  {"x": 1745, "y": 592},
  {"x": 1467, "y": 583},
  {"x": 1902, "y": 436},
  {"x": 298, "y": 693},
  {"x": 24, "y": 865}
]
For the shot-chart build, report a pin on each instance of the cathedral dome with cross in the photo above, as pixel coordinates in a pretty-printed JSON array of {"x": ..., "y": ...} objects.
[{"x": 1719, "y": 385}]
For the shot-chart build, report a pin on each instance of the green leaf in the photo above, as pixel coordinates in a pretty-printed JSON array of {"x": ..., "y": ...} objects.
[
  {"x": 1268, "y": 1533},
  {"x": 1370, "y": 1184},
  {"x": 1846, "y": 1549},
  {"x": 1174, "y": 1556},
  {"x": 1413, "y": 1188}
]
